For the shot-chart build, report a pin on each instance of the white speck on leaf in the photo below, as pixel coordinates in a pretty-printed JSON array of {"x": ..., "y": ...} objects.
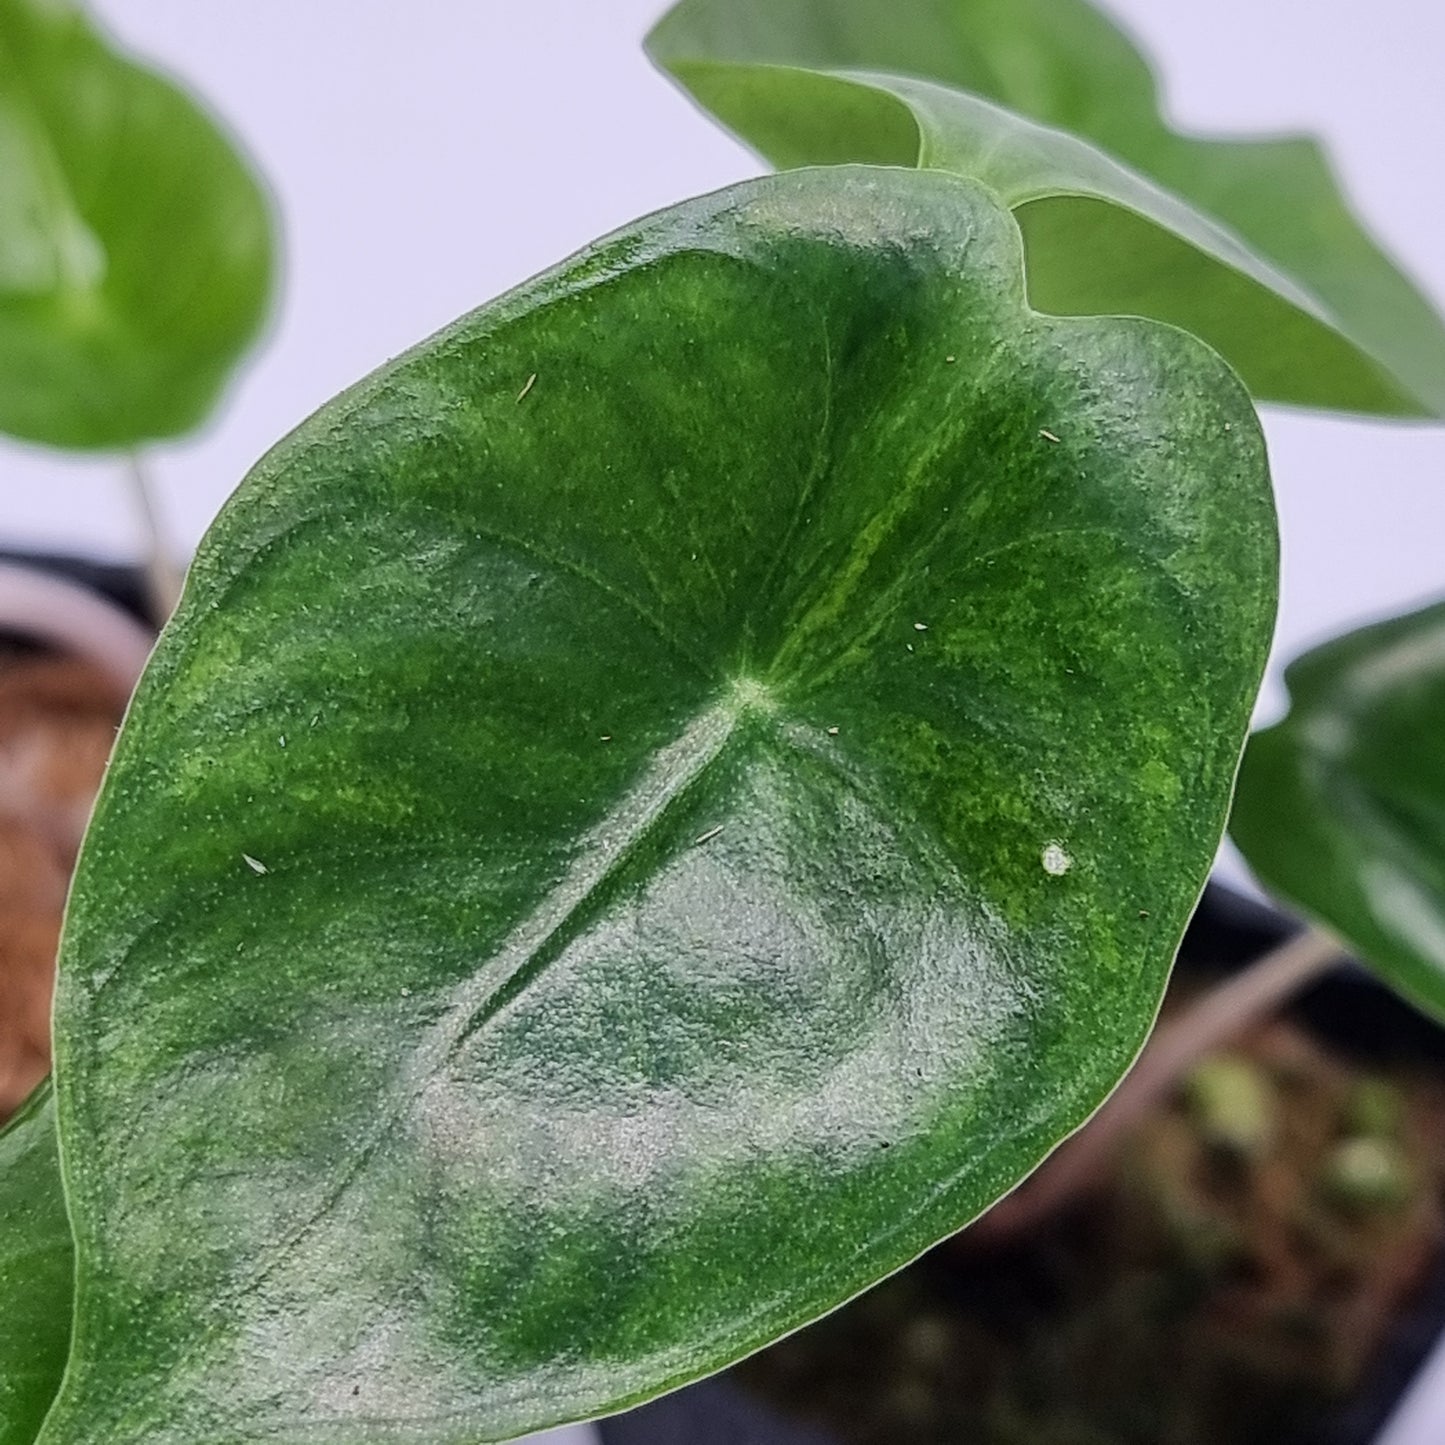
[
  {"x": 920, "y": 627},
  {"x": 531, "y": 382},
  {"x": 832, "y": 732},
  {"x": 283, "y": 740},
  {"x": 1056, "y": 862},
  {"x": 1047, "y": 435},
  {"x": 711, "y": 833},
  {"x": 255, "y": 864}
]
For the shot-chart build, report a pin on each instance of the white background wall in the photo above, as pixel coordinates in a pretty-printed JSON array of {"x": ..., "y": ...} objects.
[{"x": 427, "y": 156}]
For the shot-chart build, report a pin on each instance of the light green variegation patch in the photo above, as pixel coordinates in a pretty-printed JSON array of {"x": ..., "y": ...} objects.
[{"x": 1248, "y": 244}]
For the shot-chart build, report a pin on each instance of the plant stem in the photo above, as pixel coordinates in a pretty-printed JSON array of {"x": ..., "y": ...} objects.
[
  {"x": 1216, "y": 1019},
  {"x": 163, "y": 577}
]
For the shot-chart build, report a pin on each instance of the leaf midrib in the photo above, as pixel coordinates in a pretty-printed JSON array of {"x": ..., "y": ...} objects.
[
  {"x": 601, "y": 856},
  {"x": 530, "y": 948}
]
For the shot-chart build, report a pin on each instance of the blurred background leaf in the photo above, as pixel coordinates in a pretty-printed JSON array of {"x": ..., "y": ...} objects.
[
  {"x": 1248, "y": 244},
  {"x": 136, "y": 245},
  {"x": 1340, "y": 808}
]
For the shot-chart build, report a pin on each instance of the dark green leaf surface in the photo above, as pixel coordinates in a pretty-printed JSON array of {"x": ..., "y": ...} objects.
[
  {"x": 1341, "y": 807},
  {"x": 654, "y": 808},
  {"x": 35, "y": 1270},
  {"x": 135, "y": 245},
  {"x": 1248, "y": 244}
]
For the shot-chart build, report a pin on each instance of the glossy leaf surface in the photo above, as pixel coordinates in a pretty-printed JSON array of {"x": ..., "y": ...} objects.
[
  {"x": 655, "y": 807},
  {"x": 1341, "y": 807},
  {"x": 35, "y": 1270},
  {"x": 135, "y": 244},
  {"x": 1248, "y": 244}
]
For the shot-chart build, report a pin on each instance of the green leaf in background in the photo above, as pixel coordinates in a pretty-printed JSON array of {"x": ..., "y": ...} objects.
[
  {"x": 654, "y": 808},
  {"x": 35, "y": 1270},
  {"x": 1341, "y": 807},
  {"x": 135, "y": 244},
  {"x": 1248, "y": 244}
]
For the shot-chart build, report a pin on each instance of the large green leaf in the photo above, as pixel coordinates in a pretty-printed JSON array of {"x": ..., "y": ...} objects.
[
  {"x": 1248, "y": 244},
  {"x": 1341, "y": 806},
  {"x": 35, "y": 1270},
  {"x": 135, "y": 245},
  {"x": 654, "y": 808}
]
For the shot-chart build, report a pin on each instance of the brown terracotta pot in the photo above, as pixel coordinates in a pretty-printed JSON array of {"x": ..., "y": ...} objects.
[{"x": 68, "y": 659}]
